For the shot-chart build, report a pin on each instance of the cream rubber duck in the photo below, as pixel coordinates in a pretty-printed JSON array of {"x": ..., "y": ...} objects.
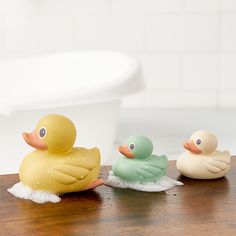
[
  {"x": 202, "y": 160},
  {"x": 56, "y": 166}
]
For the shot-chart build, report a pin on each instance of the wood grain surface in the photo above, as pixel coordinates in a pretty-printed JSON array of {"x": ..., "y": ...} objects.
[{"x": 197, "y": 208}]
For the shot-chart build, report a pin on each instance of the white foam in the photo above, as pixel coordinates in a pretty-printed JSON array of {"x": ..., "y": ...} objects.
[
  {"x": 164, "y": 183},
  {"x": 22, "y": 191}
]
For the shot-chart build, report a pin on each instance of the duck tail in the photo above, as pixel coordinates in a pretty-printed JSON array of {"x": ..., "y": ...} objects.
[{"x": 96, "y": 153}]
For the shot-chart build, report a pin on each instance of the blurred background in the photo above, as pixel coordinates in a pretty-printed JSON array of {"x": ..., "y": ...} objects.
[{"x": 187, "y": 49}]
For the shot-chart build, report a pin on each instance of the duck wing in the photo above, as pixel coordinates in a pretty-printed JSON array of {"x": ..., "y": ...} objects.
[
  {"x": 218, "y": 163},
  {"x": 152, "y": 167},
  {"x": 77, "y": 167}
]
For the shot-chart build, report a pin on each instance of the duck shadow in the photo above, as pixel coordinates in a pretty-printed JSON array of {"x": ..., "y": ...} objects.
[
  {"x": 133, "y": 203},
  {"x": 223, "y": 182},
  {"x": 203, "y": 196},
  {"x": 90, "y": 195},
  {"x": 71, "y": 204}
]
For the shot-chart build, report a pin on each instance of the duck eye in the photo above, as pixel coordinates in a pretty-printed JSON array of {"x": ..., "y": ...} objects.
[
  {"x": 198, "y": 142},
  {"x": 42, "y": 132},
  {"x": 131, "y": 146}
]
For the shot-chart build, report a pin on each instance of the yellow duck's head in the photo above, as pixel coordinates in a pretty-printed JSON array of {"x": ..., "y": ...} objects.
[{"x": 55, "y": 133}]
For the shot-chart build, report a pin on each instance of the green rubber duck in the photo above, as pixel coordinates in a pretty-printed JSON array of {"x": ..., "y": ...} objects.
[{"x": 138, "y": 163}]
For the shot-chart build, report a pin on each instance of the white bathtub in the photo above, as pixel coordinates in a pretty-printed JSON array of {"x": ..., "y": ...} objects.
[{"x": 85, "y": 86}]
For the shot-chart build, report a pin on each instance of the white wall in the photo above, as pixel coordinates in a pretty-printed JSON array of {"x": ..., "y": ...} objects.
[{"x": 187, "y": 47}]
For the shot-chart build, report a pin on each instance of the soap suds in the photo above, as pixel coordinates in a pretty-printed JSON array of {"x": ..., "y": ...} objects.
[
  {"x": 164, "y": 183},
  {"x": 22, "y": 191}
]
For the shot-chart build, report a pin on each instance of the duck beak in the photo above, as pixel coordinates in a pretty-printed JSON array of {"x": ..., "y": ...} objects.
[
  {"x": 190, "y": 146},
  {"x": 34, "y": 141},
  {"x": 125, "y": 151}
]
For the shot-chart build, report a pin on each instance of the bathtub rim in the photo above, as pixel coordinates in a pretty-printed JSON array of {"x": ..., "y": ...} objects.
[{"x": 131, "y": 83}]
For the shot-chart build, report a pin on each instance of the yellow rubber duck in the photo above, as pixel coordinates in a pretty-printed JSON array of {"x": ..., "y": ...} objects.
[
  {"x": 201, "y": 160},
  {"x": 56, "y": 166}
]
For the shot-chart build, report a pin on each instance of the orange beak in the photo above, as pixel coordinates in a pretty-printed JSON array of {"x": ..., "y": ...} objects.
[
  {"x": 125, "y": 151},
  {"x": 34, "y": 141},
  {"x": 189, "y": 145}
]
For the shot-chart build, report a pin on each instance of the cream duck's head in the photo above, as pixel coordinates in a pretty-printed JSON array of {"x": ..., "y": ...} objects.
[
  {"x": 201, "y": 142},
  {"x": 55, "y": 133}
]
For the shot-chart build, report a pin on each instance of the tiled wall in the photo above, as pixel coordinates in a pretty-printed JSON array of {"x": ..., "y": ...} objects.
[{"x": 187, "y": 47}]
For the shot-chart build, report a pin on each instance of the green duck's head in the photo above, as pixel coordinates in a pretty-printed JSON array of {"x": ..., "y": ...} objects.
[{"x": 137, "y": 146}]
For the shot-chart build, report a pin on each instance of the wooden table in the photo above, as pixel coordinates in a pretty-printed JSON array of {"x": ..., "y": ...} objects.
[{"x": 197, "y": 208}]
